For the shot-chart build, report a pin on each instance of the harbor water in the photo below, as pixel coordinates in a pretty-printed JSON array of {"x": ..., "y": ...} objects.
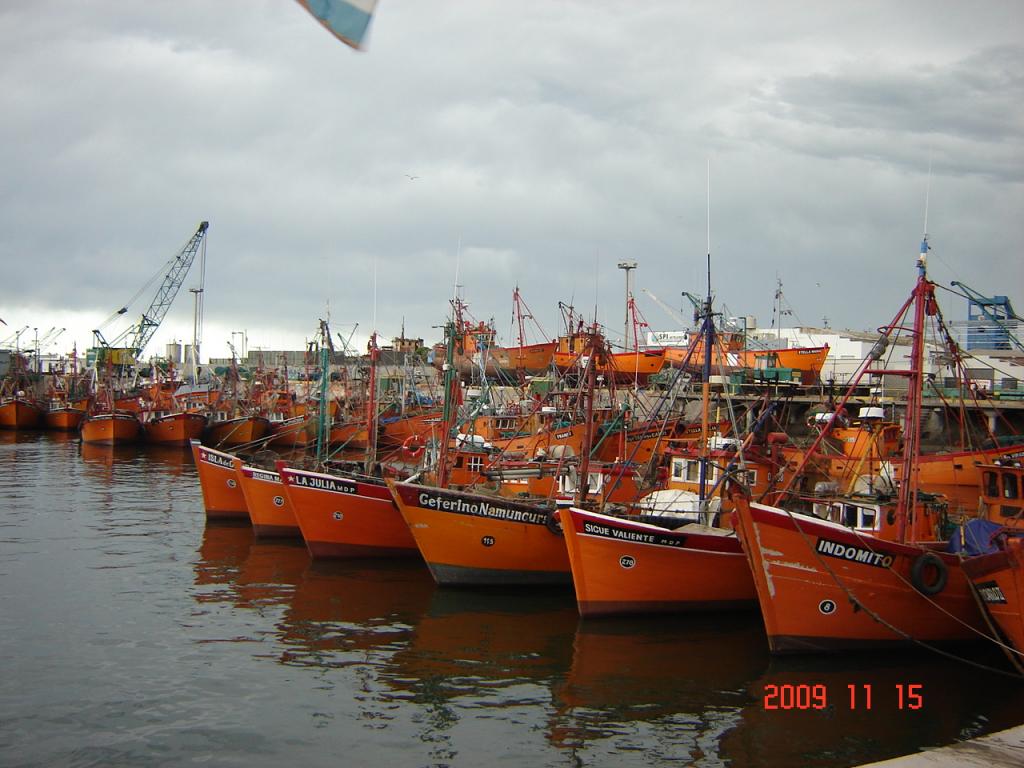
[{"x": 134, "y": 633}]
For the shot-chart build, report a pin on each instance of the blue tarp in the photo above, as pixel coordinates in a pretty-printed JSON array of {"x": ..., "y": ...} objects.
[{"x": 975, "y": 538}]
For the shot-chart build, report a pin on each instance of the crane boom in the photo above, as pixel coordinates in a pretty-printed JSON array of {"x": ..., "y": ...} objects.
[
  {"x": 668, "y": 310},
  {"x": 135, "y": 338}
]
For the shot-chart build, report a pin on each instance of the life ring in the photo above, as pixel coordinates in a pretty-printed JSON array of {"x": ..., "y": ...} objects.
[
  {"x": 919, "y": 568},
  {"x": 553, "y": 523},
  {"x": 413, "y": 446}
]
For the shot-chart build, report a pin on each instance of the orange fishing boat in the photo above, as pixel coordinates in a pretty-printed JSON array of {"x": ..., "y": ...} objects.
[
  {"x": 111, "y": 428},
  {"x": 622, "y": 367},
  {"x": 731, "y": 355},
  {"x": 860, "y": 571},
  {"x": 468, "y": 538},
  {"x": 866, "y": 444},
  {"x": 826, "y": 585},
  {"x": 681, "y": 553},
  {"x": 527, "y": 359},
  {"x": 19, "y": 412},
  {"x": 231, "y": 432},
  {"x": 181, "y": 428},
  {"x": 998, "y": 572},
  {"x": 346, "y": 516},
  {"x": 270, "y": 511},
  {"x": 63, "y": 417},
  {"x": 222, "y": 496},
  {"x": 622, "y": 566},
  {"x": 352, "y": 434},
  {"x": 998, "y": 579},
  {"x": 395, "y": 431},
  {"x": 808, "y": 360},
  {"x": 295, "y": 432},
  {"x": 960, "y": 467}
]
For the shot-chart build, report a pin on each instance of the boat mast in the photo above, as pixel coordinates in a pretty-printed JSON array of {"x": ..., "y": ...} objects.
[
  {"x": 924, "y": 299},
  {"x": 583, "y": 487},
  {"x": 708, "y": 334},
  {"x": 709, "y": 343},
  {"x": 452, "y": 332},
  {"x": 371, "y": 406},
  {"x": 323, "y": 414}
]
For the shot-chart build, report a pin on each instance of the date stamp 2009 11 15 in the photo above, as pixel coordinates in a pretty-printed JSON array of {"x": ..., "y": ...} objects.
[{"x": 806, "y": 696}]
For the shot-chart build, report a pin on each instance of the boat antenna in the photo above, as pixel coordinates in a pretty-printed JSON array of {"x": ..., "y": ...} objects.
[
  {"x": 709, "y": 226},
  {"x": 374, "y": 295},
  {"x": 458, "y": 257},
  {"x": 922, "y": 258}
]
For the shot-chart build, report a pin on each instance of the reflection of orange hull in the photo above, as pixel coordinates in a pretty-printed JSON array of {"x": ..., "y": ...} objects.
[
  {"x": 804, "y": 609},
  {"x": 64, "y": 419},
  {"x": 269, "y": 511},
  {"x": 621, "y": 566},
  {"x": 378, "y": 603},
  {"x": 619, "y": 670},
  {"x": 344, "y": 517},
  {"x": 111, "y": 428},
  {"x": 999, "y": 578},
  {"x": 222, "y": 495},
  {"x": 16, "y": 413},
  {"x": 240, "y": 431},
  {"x": 470, "y": 643},
  {"x": 471, "y": 539},
  {"x": 958, "y": 468},
  {"x": 174, "y": 429}
]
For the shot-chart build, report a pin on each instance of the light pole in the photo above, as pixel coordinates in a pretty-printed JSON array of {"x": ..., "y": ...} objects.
[{"x": 627, "y": 266}]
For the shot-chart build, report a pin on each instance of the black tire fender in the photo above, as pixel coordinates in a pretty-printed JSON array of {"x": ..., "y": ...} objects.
[{"x": 920, "y": 568}]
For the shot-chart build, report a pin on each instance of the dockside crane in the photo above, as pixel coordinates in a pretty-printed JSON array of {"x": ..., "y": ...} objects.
[
  {"x": 999, "y": 318},
  {"x": 126, "y": 348}
]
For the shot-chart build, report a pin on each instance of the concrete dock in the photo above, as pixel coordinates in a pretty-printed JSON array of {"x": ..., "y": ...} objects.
[{"x": 1004, "y": 749}]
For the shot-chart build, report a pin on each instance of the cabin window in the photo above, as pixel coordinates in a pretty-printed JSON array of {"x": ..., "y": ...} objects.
[
  {"x": 693, "y": 471},
  {"x": 850, "y": 515},
  {"x": 476, "y": 463},
  {"x": 990, "y": 483},
  {"x": 458, "y": 462},
  {"x": 1010, "y": 489},
  {"x": 748, "y": 477},
  {"x": 678, "y": 469},
  {"x": 868, "y": 519},
  {"x": 596, "y": 482}
]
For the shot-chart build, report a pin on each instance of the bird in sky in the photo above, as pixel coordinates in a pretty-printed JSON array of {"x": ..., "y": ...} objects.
[{"x": 410, "y": 177}]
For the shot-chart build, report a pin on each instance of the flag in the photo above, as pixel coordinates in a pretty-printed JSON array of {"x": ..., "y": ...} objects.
[{"x": 347, "y": 20}]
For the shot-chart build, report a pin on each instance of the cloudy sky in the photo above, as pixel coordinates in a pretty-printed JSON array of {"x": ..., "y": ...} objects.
[{"x": 548, "y": 140}]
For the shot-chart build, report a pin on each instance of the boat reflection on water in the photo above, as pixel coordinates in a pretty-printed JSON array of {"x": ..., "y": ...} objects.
[
  {"x": 674, "y": 684},
  {"x": 446, "y": 669},
  {"x": 815, "y": 710},
  {"x": 469, "y": 643},
  {"x": 479, "y": 662},
  {"x": 168, "y": 460},
  {"x": 343, "y": 610},
  {"x": 248, "y": 574}
]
